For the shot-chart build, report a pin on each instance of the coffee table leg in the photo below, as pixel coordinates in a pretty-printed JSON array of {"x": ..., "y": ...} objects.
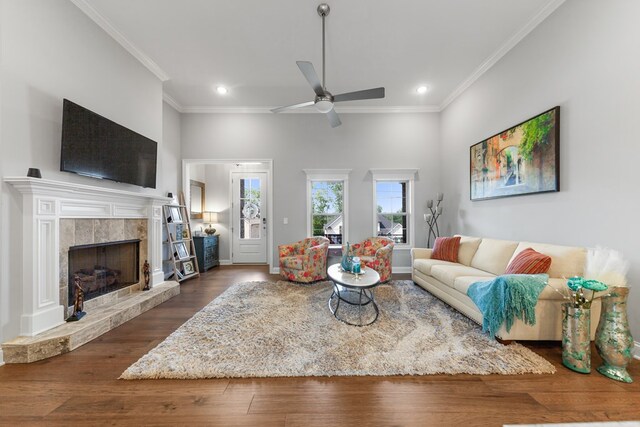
[
  {"x": 336, "y": 292},
  {"x": 360, "y": 306},
  {"x": 370, "y": 297}
]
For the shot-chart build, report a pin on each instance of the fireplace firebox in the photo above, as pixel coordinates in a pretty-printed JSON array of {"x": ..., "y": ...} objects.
[{"x": 104, "y": 267}]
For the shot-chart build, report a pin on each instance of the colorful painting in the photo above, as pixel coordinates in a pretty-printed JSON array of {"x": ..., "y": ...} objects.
[{"x": 524, "y": 159}]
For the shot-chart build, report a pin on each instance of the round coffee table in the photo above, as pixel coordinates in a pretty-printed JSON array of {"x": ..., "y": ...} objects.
[{"x": 355, "y": 290}]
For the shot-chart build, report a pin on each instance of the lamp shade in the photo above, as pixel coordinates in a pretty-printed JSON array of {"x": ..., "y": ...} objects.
[{"x": 210, "y": 217}]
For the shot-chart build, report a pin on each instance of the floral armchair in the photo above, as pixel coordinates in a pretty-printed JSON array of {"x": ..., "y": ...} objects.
[
  {"x": 375, "y": 252},
  {"x": 304, "y": 261}
]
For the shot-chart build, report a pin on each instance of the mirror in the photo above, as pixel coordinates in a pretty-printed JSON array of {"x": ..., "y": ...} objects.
[{"x": 196, "y": 199}]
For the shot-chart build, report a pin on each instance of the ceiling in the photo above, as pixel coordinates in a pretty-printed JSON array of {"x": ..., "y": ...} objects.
[{"x": 251, "y": 47}]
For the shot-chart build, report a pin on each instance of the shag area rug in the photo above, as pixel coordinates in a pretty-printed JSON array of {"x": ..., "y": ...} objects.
[{"x": 265, "y": 329}]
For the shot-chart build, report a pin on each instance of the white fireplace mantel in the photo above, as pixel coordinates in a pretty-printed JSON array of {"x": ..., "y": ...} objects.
[{"x": 44, "y": 203}]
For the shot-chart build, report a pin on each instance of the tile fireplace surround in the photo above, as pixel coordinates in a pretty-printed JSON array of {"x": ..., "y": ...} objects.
[{"x": 56, "y": 215}]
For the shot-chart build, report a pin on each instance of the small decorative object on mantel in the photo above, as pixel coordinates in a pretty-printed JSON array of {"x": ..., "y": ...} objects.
[
  {"x": 78, "y": 302},
  {"x": 173, "y": 199},
  {"x": 613, "y": 336},
  {"x": 34, "y": 173},
  {"x": 576, "y": 324},
  {"x": 432, "y": 218},
  {"x": 146, "y": 272}
]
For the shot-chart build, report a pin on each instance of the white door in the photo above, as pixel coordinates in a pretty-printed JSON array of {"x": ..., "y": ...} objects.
[{"x": 249, "y": 226}]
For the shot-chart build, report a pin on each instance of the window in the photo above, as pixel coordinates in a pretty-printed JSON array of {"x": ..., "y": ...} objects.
[
  {"x": 326, "y": 204},
  {"x": 393, "y": 204},
  {"x": 392, "y": 211}
]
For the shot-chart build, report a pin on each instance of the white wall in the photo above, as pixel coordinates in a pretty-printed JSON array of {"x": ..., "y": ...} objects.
[
  {"x": 50, "y": 51},
  {"x": 584, "y": 57},
  {"x": 169, "y": 160},
  {"x": 299, "y": 141}
]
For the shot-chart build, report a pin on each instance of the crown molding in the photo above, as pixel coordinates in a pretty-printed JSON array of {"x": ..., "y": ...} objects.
[
  {"x": 174, "y": 104},
  {"x": 542, "y": 14},
  {"x": 103, "y": 23},
  {"x": 340, "y": 110}
]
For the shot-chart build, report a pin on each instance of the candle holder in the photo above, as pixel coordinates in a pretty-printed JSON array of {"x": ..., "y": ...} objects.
[{"x": 432, "y": 218}]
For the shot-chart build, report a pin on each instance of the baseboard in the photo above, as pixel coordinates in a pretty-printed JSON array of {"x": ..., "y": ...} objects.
[
  {"x": 274, "y": 270},
  {"x": 2, "y": 357},
  {"x": 636, "y": 350},
  {"x": 224, "y": 261}
]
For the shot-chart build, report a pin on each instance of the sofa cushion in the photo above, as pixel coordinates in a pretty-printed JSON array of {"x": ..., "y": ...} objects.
[
  {"x": 446, "y": 249},
  {"x": 424, "y": 265},
  {"x": 566, "y": 261},
  {"x": 493, "y": 255},
  {"x": 447, "y": 274},
  {"x": 468, "y": 247},
  {"x": 529, "y": 261},
  {"x": 549, "y": 292},
  {"x": 462, "y": 283}
]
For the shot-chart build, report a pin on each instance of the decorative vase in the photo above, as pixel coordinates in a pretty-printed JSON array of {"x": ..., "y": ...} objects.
[
  {"x": 346, "y": 262},
  {"x": 613, "y": 337},
  {"x": 576, "y": 339}
]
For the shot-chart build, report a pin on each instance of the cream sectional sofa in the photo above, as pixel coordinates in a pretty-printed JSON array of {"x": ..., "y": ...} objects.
[{"x": 480, "y": 259}]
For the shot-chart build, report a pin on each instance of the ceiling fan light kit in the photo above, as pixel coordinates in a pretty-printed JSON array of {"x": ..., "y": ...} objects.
[{"x": 324, "y": 100}]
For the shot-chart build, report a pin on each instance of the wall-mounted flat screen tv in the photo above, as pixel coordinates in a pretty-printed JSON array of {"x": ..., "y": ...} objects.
[{"x": 95, "y": 146}]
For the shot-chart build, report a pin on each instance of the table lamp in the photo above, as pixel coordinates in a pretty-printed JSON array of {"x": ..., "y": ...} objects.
[{"x": 211, "y": 218}]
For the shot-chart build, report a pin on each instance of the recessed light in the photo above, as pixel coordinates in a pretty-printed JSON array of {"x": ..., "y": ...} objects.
[
  {"x": 422, "y": 90},
  {"x": 222, "y": 90}
]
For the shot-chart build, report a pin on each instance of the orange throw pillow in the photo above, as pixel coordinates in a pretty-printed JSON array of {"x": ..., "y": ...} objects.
[
  {"x": 446, "y": 249},
  {"x": 529, "y": 262}
]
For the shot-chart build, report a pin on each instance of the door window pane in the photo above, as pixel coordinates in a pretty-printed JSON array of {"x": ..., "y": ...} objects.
[{"x": 250, "y": 209}]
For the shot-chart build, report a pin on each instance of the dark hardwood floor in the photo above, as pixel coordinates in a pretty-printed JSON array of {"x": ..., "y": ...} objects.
[{"x": 81, "y": 387}]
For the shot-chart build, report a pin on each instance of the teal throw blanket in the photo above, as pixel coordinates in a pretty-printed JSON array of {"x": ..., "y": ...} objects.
[{"x": 507, "y": 297}]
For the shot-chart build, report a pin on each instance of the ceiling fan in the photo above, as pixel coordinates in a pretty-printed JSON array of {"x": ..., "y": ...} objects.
[{"x": 324, "y": 100}]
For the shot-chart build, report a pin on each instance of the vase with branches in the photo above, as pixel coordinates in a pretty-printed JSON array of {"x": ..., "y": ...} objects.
[{"x": 431, "y": 218}]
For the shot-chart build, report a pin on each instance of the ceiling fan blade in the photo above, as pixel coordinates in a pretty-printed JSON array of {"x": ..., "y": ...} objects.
[
  {"x": 334, "y": 120},
  {"x": 291, "y": 107},
  {"x": 311, "y": 76},
  {"x": 360, "y": 94}
]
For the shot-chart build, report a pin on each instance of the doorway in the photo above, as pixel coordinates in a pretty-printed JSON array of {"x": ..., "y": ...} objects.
[
  {"x": 218, "y": 175},
  {"x": 249, "y": 220}
]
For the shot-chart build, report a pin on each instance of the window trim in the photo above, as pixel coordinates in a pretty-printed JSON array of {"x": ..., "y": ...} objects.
[
  {"x": 329, "y": 175},
  {"x": 405, "y": 175}
]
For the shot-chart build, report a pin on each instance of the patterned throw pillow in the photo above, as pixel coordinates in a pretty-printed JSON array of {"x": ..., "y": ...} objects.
[
  {"x": 446, "y": 249},
  {"x": 529, "y": 262}
]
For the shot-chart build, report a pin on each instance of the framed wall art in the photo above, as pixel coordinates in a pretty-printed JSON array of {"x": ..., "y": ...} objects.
[{"x": 524, "y": 159}]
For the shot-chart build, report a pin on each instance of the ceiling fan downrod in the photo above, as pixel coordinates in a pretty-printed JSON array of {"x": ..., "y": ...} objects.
[{"x": 323, "y": 11}]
